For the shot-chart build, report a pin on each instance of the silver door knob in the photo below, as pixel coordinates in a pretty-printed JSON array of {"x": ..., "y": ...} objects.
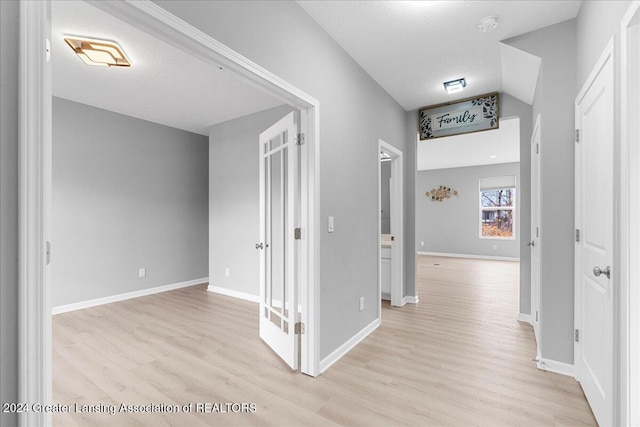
[
  {"x": 531, "y": 243},
  {"x": 597, "y": 271},
  {"x": 259, "y": 246}
]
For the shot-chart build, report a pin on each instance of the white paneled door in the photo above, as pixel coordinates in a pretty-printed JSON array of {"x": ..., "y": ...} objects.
[
  {"x": 278, "y": 213},
  {"x": 594, "y": 259}
]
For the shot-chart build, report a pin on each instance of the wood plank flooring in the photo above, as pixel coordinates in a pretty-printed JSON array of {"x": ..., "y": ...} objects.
[{"x": 458, "y": 358}]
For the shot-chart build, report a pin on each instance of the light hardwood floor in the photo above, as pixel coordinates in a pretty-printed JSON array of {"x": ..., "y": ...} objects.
[{"x": 458, "y": 358}]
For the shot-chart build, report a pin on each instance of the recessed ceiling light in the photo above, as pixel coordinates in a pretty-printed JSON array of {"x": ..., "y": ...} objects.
[
  {"x": 492, "y": 157},
  {"x": 103, "y": 53},
  {"x": 488, "y": 24},
  {"x": 455, "y": 86}
]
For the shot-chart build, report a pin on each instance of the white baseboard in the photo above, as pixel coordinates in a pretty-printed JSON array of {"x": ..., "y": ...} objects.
[
  {"x": 524, "y": 318},
  {"x": 339, "y": 352},
  {"x": 488, "y": 257},
  {"x": 121, "y": 297},
  {"x": 409, "y": 299},
  {"x": 556, "y": 367},
  {"x": 235, "y": 294}
]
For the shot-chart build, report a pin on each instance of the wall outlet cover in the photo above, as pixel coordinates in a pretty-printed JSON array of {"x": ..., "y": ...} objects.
[
  {"x": 226, "y": 272},
  {"x": 361, "y": 303},
  {"x": 142, "y": 272}
]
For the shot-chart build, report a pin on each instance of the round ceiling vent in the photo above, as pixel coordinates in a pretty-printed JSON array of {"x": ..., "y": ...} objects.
[{"x": 488, "y": 24}]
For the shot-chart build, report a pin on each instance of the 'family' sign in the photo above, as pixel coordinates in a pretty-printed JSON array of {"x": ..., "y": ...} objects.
[{"x": 465, "y": 116}]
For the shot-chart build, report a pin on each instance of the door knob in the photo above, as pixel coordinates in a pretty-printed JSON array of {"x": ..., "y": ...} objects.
[
  {"x": 259, "y": 246},
  {"x": 531, "y": 243},
  {"x": 597, "y": 271}
]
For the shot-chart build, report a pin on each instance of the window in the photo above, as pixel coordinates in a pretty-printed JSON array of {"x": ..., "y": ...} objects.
[{"x": 497, "y": 207}]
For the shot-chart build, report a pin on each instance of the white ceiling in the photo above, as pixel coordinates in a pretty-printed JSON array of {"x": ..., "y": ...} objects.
[
  {"x": 472, "y": 149},
  {"x": 163, "y": 85},
  {"x": 411, "y": 47}
]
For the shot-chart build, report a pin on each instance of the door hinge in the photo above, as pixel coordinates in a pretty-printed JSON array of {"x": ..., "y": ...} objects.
[
  {"x": 297, "y": 233},
  {"x": 537, "y": 148},
  {"x": 48, "y": 260},
  {"x": 537, "y": 232},
  {"x": 299, "y": 328},
  {"x": 576, "y": 335},
  {"x": 577, "y": 235},
  {"x": 577, "y": 135},
  {"x": 536, "y": 315},
  {"x": 300, "y": 139}
]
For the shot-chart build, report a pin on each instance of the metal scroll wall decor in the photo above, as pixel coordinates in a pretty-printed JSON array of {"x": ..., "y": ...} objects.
[{"x": 441, "y": 193}]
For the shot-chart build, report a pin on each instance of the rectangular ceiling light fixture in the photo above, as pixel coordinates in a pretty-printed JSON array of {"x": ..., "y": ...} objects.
[
  {"x": 455, "y": 86},
  {"x": 98, "y": 52}
]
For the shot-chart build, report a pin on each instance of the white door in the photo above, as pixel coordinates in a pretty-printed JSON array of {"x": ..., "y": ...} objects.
[
  {"x": 534, "y": 244},
  {"x": 594, "y": 219},
  {"x": 278, "y": 290}
]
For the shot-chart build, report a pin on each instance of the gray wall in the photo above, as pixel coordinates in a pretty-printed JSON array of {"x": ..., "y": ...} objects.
[
  {"x": 234, "y": 205},
  {"x": 554, "y": 100},
  {"x": 385, "y": 194},
  {"x": 354, "y": 113},
  {"x": 127, "y": 193},
  {"x": 453, "y": 226},
  {"x": 9, "y": 12}
]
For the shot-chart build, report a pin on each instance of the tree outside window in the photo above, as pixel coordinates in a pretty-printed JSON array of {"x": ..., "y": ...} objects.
[{"x": 497, "y": 213}]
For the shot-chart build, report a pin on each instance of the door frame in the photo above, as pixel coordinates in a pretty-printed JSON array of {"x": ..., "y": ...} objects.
[
  {"x": 606, "y": 56},
  {"x": 629, "y": 158},
  {"x": 535, "y": 300},
  {"x": 34, "y": 312},
  {"x": 396, "y": 198}
]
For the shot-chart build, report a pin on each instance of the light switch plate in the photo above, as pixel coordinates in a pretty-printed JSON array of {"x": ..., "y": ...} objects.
[
  {"x": 331, "y": 225},
  {"x": 142, "y": 272}
]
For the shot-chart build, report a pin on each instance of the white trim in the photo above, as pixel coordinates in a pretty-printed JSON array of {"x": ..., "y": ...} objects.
[
  {"x": 396, "y": 194},
  {"x": 339, "y": 352},
  {"x": 526, "y": 318},
  {"x": 487, "y": 257},
  {"x": 121, "y": 297},
  {"x": 555, "y": 367},
  {"x": 410, "y": 299},
  {"x": 235, "y": 294},
  {"x": 34, "y": 294},
  {"x": 627, "y": 412}
]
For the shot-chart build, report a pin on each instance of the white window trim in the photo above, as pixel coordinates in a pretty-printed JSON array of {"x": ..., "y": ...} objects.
[{"x": 502, "y": 208}]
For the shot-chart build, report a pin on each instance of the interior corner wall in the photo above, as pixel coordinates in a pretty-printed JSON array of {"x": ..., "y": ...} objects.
[
  {"x": 554, "y": 100},
  {"x": 513, "y": 107},
  {"x": 127, "y": 194},
  {"x": 453, "y": 226},
  {"x": 234, "y": 200},
  {"x": 9, "y": 31},
  {"x": 354, "y": 113}
]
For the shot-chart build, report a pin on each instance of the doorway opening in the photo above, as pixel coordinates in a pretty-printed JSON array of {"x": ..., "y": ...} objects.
[
  {"x": 35, "y": 232},
  {"x": 390, "y": 224}
]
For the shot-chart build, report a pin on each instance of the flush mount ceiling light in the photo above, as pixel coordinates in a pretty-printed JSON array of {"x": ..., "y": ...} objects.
[
  {"x": 455, "y": 86},
  {"x": 488, "y": 24},
  {"x": 98, "y": 52}
]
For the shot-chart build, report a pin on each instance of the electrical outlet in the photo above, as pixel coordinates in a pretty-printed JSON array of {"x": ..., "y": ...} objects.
[
  {"x": 361, "y": 303},
  {"x": 421, "y": 243},
  {"x": 226, "y": 272},
  {"x": 495, "y": 247},
  {"x": 142, "y": 272}
]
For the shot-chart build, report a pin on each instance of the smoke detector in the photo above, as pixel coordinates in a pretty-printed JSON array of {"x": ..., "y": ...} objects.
[{"x": 488, "y": 24}]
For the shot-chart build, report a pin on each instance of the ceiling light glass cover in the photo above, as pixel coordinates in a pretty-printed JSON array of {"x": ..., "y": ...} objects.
[
  {"x": 98, "y": 52},
  {"x": 455, "y": 86}
]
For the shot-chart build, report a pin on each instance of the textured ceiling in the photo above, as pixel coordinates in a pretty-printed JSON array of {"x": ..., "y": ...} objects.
[
  {"x": 164, "y": 85},
  {"x": 411, "y": 47}
]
